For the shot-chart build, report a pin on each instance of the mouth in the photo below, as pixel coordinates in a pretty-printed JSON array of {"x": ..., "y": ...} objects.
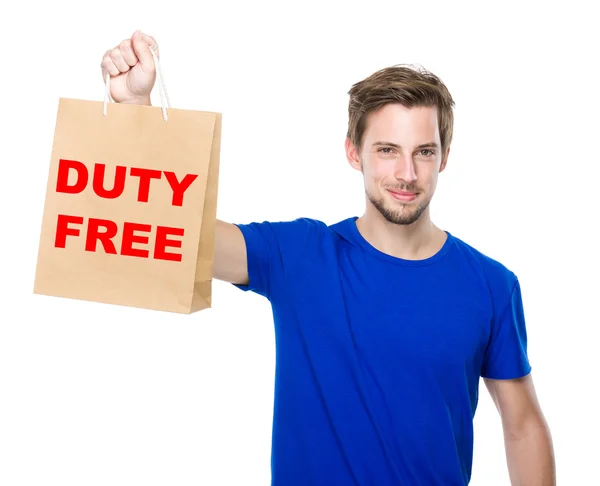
[{"x": 404, "y": 196}]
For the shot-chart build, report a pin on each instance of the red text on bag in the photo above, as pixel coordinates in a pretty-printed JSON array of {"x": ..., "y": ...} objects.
[
  {"x": 104, "y": 230},
  {"x": 145, "y": 177}
]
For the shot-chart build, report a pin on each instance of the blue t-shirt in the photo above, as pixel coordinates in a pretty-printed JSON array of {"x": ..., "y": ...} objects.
[{"x": 378, "y": 359}]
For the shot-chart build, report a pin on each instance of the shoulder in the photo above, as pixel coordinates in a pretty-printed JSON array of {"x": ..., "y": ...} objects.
[
  {"x": 495, "y": 276},
  {"x": 298, "y": 229},
  {"x": 290, "y": 237}
]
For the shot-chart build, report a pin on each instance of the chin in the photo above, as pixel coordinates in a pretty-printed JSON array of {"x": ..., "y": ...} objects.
[{"x": 398, "y": 212}]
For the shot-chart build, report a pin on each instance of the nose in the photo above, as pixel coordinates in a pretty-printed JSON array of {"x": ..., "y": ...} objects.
[{"x": 405, "y": 169}]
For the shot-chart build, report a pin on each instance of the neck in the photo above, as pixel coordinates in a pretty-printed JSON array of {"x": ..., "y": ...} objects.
[{"x": 416, "y": 241}]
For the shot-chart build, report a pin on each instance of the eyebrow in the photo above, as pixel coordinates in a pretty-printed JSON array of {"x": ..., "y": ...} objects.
[{"x": 395, "y": 145}]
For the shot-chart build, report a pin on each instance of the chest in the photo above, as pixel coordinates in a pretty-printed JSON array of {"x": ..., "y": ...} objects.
[
  {"x": 436, "y": 318},
  {"x": 419, "y": 318}
]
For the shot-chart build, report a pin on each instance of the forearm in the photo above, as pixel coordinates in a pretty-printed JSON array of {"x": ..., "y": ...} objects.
[{"x": 530, "y": 456}]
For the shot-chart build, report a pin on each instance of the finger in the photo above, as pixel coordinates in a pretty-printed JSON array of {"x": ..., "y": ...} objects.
[
  {"x": 117, "y": 58},
  {"x": 109, "y": 66},
  {"x": 142, "y": 44},
  {"x": 151, "y": 41},
  {"x": 127, "y": 53}
]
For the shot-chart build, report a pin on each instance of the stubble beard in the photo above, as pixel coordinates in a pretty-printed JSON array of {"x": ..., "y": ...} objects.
[{"x": 402, "y": 216}]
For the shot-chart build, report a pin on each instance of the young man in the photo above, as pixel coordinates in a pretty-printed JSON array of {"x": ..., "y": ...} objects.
[{"x": 384, "y": 323}]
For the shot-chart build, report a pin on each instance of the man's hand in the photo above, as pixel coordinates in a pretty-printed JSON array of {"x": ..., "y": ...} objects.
[{"x": 132, "y": 70}]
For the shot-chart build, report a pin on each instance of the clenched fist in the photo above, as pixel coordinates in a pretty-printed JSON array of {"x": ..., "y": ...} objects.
[{"x": 132, "y": 70}]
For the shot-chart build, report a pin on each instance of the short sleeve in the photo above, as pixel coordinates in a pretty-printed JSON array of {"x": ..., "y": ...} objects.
[
  {"x": 506, "y": 354},
  {"x": 273, "y": 249},
  {"x": 262, "y": 249}
]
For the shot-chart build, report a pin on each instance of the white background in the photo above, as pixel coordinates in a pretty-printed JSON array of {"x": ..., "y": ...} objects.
[{"x": 95, "y": 394}]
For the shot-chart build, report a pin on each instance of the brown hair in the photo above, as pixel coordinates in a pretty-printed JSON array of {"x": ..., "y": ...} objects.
[{"x": 402, "y": 84}]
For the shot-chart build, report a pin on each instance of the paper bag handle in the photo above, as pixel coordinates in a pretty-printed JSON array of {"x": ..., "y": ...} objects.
[{"x": 164, "y": 99}]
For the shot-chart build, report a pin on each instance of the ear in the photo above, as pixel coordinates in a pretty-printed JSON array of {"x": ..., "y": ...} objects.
[
  {"x": 445, "y": 159},
  {"x": 352, "y": 155}
]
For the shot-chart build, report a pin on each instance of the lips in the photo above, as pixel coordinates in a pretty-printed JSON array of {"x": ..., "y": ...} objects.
[{"x": 404, "y": 196}]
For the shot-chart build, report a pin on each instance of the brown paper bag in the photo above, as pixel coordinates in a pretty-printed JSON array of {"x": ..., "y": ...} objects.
[{"x": 130, "y": 210}]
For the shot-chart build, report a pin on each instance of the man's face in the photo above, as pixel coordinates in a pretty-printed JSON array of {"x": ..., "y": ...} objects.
[{"x": 400, "y": 159}]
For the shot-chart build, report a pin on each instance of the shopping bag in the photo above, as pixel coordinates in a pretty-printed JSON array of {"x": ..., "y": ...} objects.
[{"x": 130, "y": 210}]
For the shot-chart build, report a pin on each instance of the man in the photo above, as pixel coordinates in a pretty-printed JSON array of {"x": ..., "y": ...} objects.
[{"x": 384, "y": 323}]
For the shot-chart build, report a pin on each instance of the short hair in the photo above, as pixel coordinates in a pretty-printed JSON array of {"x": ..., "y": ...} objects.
[{"x": 405, "y": 84}]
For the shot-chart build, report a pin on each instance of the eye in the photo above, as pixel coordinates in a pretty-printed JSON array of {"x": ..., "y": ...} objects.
[
  {"x": 429, "y": 153},
  {"x": 385, "y": 150}
]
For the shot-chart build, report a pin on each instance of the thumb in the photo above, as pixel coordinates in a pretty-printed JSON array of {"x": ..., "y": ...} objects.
[{"x": 142, "y": 44}]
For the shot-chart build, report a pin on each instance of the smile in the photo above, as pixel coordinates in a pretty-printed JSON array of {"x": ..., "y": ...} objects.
[{"x": 404, "y": 196}]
